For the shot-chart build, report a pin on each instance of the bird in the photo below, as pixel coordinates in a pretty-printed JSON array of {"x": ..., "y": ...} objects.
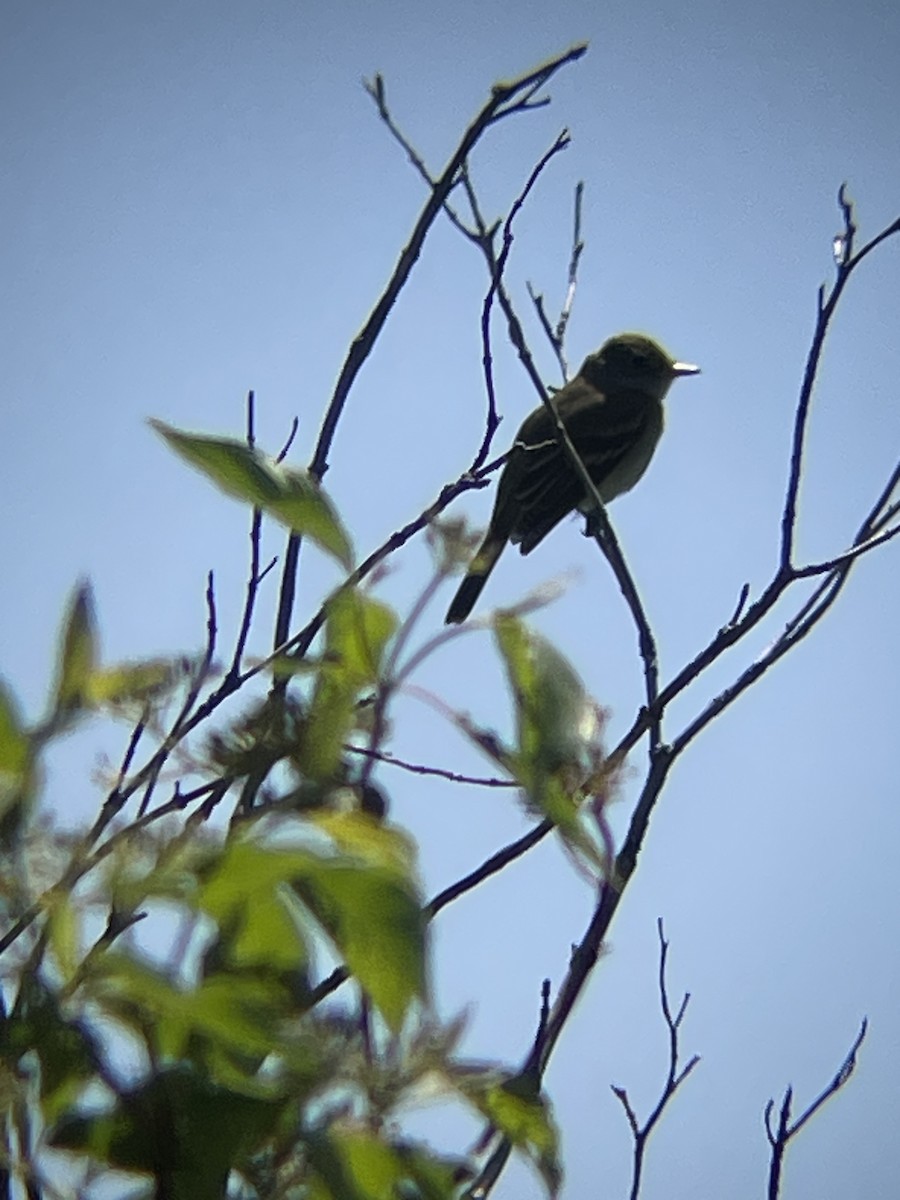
[{"x": 612, "y": 411}]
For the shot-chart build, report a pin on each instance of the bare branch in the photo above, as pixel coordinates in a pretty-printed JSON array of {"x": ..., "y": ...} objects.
[
  {"x": 780, "y": 1137},
  {"x": 556, "y": 335},
  {"x": 288, "y": 441},
  {"x": 846, "y": 556},
  {"x": 254, "y": 576},
  {"x": 577, "y": 251},
  {"x": 846, "y": 264},
  {"x": 537, "y": 299},
  {"x": 377, "y": 92},
  {"x": 740, "y": 606},
  {"x": 489, "y": 867},
  {"x": 392, "y": 676},
  {"x": 496, "y": 291},
  {"x": 504, "y": 100},
  {"x": 130, "y": 750},
  {"x": 675, "y": 1077},
  {"x": 391, "y": 760}
]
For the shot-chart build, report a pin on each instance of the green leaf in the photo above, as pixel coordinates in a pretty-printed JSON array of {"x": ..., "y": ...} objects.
[
  {"x": 134, "y": 872},
  {"x": 132, "y": 681},
  {"x": 558, "y": 757},
  {"x": 178, "y": 1127},
  {"x": 229, "y": 1014},
  {"x": 17, "y": 769},
  {"x": 351, "y": 1164},
  {"x": 249, "y": 897},
  {"x": 240, "y": 1013},
  {"x": 368, "y": 904},
  {"x": 556, "y": 720},
  {"x": 64, "y": 933},
  {"x": 375, "y": 919},
  {"x": 67, "y": 1051},
  {"x": 78, "y": 653},
  {"x": 436, "y": 1178},
  {"x": 370, "y": 840},
  {"x": 357, "y": 631},
  {"x": 522, "y": 1115},
  {"x": 291, "y": 496}
]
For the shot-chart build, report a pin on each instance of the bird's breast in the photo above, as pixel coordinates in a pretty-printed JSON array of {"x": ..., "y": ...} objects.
[{"x": 625, "y": 474}]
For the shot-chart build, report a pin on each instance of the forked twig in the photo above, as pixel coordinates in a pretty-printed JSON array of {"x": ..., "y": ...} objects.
[{"x": 780, "y": 1136}]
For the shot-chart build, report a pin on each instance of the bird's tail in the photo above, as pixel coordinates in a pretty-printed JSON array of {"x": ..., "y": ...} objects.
[{"x": 477, "y": 576}]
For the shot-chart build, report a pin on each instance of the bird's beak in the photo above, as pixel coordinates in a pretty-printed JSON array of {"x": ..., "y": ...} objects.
[{"x": 680, "y": 368}]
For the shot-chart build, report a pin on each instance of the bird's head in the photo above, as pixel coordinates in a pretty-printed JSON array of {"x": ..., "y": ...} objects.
[{"x": 635, "y": 363}]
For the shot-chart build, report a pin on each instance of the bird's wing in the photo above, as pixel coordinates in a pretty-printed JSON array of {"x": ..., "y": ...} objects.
[{"x": 603, "y": 429}]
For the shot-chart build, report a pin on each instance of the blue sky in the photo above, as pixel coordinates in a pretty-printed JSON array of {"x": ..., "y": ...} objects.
[{"x": 198, "y": 199}]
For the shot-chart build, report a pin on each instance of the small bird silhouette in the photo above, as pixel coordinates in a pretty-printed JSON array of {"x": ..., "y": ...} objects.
[{"x": 613, "y": 414}]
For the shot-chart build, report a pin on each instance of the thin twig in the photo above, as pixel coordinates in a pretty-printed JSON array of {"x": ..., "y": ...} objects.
[
  {"x": 502, "y": 103},
  {"x": 489, "y": 867},
  {"x": 253, "y": 575},
  {"x": 391, "y": 760},
  {"x": 674, "y": 1078},
  {"x": 845, "y": 267},
  {"x": 574, "y": 261},
  {"x": 392, "y": 676},
  {"x": 201, "y": 674},
  {"x": 556, "y": 335},
  {"x": 496, "y": 290},
  {"x": 786, "y": 1130}
]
